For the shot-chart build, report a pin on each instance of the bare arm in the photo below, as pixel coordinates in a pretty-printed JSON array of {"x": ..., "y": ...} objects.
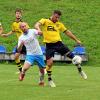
[
  {"x": 6, "y": 35},
  {"x": 37, "y": 26},
  {"x": 72, "y": 36}
]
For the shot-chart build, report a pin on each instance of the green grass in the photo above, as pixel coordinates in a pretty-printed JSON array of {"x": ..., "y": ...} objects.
[
  {"x": 70, "y": 86},
  {"x": 82, "y": 18}
]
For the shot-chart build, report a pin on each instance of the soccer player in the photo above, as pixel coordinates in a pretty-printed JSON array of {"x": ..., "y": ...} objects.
[
  {"x": 34, "y": 52},
  {"x": 18, "y": 32},
  {"x": 51, "y": 29}
]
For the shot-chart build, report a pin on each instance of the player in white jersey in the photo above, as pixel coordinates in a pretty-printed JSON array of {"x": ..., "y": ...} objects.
[{"x": 34, "y": 52}]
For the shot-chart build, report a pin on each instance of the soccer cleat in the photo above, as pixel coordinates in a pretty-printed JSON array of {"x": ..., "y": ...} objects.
[
  {"x": 41, "y": 84},
  {"x": 21, "y": 76},
  {"x": 51, "y": 83},
  {"x": 83, "y": 75}
]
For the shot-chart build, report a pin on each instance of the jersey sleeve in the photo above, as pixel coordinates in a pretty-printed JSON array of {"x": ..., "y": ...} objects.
[
  {"x": 35, "y": 31},
  {"x": 12, "y": 26},
  {"x": 63, "y": 28},
  {"x": 42, "y": 21},
  {"x": 19, "y": 41}
]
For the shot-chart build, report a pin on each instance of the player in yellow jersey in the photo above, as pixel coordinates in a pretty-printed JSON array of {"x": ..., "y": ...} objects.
[
  {"x": 51, "y": 29},
  {"x": 17, "y": 30}
]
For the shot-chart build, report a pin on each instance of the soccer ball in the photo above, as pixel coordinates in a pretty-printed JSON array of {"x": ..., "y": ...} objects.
[{"x": 77, "y": 60}]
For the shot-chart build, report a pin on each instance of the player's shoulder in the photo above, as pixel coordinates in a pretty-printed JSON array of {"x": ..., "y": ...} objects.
[
  {"x": 59, "y": 22},
  {"x": 44, "y": 19},
  {"x": 21, "y": 37},
  {"x": 33, "y": 31},
  {"x": 15, "y": 22}
]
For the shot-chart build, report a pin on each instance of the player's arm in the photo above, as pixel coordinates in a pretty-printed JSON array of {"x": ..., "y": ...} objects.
[
  {"x": 20, "y": 45},
  {"x": 72, "y": 36},
  {"x": 7, "y": 34},
  {"x": 39, "y": 24},
  {"x": 36, "y": 32},
  {"x": 38, "y": 27}
]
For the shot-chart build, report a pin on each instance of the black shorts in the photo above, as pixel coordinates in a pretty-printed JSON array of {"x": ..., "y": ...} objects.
[
  {"x": 59, "y": 47},
  {"x": 23, "y": 51}
]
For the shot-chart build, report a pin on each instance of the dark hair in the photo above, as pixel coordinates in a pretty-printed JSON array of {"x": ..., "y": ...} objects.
[
  {"x": 18, "y": 10},
  {"x": 57, "y": 12}
]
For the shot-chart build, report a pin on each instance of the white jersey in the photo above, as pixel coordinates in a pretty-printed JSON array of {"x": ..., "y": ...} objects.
[{"x": 31, "y": 43}]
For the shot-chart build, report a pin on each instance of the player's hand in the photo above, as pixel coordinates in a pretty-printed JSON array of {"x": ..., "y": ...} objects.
[
  {"x": 40, "y": 32},
  {"x": 79, "y": 42},
  {"x": 4, "y": 35}
]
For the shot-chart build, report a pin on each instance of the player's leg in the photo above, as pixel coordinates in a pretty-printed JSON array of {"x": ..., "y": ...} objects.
[
  {"x": 49, "y": 61},
  {"x": 49, "y": 68},
  {"x": 28, "y": 62},
  {"x": 49, "y": 72},
  {"x": 17, "y": 57},
  {"x": 76, "y": 60},
  {"x": 40, "y": 60},
  {"x": 18, "y": 62},
  {"x": 41, "y": 76},
  {"x": 26, "y": 66}
]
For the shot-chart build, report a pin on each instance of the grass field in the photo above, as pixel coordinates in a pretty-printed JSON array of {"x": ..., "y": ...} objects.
[
  {"x": 70, "y": 86},
  {"x": 82, "y": 17}
]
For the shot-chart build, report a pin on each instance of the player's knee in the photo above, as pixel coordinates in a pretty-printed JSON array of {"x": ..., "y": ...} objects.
[
  {"x": 70, "y": 55},
  {"x": 77, "y": 60},
  {"x": 49, "y": 63}
]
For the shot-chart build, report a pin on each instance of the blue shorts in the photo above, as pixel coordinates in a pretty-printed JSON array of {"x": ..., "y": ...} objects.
[{"x": 35, "y": 58}]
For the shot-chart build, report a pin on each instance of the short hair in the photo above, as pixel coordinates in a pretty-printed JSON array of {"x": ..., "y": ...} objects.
[
  {"x": 57, "y": 12},
  {"x": 18, "y": 10}
]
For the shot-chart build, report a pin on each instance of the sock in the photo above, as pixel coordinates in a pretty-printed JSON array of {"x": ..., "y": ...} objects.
[
  {"x": 49, "y": 75},
  {"x": 23, "y": 71},
  {"x": 18, "y": 64},
  {"x": 41, "y": 75},
  {"x": 48, "y": 68},
  {"x": 79, "y": 67},
  {"x": 49, "y": 72}
]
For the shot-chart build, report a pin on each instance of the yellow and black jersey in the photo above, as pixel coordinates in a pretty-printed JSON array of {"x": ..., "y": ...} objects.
[
  {"x": 51, "y": 31},
  {"x": 16, "y": 28}
]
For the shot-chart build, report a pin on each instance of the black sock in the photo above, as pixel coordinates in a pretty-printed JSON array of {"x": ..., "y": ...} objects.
[{"x": 80, "y": 69}]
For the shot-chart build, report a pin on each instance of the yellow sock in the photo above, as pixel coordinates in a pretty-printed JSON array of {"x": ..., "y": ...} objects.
[
  {"x": 48, "y": 68},
  {"x": 17, "y": 60},
  {"x": 18, "y": 64}
]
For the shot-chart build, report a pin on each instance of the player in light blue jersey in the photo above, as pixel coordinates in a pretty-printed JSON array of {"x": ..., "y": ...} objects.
[{"x": 34, "y": 52}]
